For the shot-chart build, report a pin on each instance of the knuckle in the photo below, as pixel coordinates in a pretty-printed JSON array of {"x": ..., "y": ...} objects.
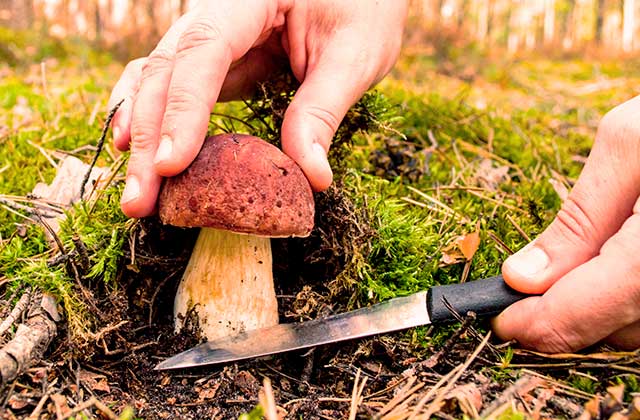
[
  {"x": 620, "y": 128},
  {"x": 328, "y": 119},
  {"x": 143, "y": 137},
  {"x": 134, "y": 66},
  {"x": 545, "y": 335},
  {"x": 201, "y": 32},
  {"x": 183, "y": 99},
  {"x": 159, "y": 60},
  {"x": 573, "y": 221}
]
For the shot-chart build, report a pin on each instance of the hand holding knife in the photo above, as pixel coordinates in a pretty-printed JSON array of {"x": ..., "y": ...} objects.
[{"x": 484, "y": 297}]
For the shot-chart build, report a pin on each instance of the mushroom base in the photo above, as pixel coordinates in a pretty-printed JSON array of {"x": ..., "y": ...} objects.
[{"x": 228, "y": 284}]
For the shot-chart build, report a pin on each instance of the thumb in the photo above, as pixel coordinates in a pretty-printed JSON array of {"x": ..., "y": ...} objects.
[
  {"x": 600, "y": 202},
  {"x": 318, "y": 107}
]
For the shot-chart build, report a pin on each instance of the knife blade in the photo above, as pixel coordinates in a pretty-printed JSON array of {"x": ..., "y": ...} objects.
[{"x": 484, "y": 297}]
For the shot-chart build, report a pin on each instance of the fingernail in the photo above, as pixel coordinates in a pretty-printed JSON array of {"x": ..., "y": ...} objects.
[
  {"x": 165, "y": 150},
  {"x": 529, "y": 262},
  {"x": 116, "y": 134},
  {"x": 318, "y": 150},
  {"x": 131, "y": 189}
]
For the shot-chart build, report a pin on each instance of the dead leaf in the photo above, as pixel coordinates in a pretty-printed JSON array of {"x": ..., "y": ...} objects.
[
  {"x": 208, "y": 390},
  {"x": 490, "y": 176},
  {"x": 618, "y": 416},
  {"x": 634, "y": 409},
  {"x": 461, "y": 249},
  {"x": 247, "y": 382},
  {"x": 615, "y": 396},
  {"x": 38, "y": 374},
  {"x": 468, "y": 397},
  {"x": 469, "y": 244},
  {"x": 17, "y": 402},
  {"x": 95, "y": 381},
  {"x": 61, "y": 405},
  {"x": 593, "y": 407},
  {"x": 22, "y": 112}
]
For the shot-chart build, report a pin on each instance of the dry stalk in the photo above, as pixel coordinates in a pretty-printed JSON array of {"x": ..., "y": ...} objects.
[
  {"x": 399, "y": 403},
  {"x": 356, "y": 395},
  {"x": 268, "y": 402}
]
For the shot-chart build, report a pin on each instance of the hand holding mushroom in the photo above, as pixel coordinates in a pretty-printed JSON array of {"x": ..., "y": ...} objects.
[
  {"x": 218, "y": 51},
  {"x": 241, "y": 190}
]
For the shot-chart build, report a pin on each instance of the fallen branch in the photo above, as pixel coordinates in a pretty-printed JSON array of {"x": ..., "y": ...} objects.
[{"x": 31, "y": 340}]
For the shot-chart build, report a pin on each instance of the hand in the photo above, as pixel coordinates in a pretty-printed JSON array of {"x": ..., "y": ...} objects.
[
  {"x": 587, "y": 262},
  {"x": 218, "y": 51}
]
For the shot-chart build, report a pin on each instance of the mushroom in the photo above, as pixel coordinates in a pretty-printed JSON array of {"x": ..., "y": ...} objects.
[{"x": 242, "y": 191}]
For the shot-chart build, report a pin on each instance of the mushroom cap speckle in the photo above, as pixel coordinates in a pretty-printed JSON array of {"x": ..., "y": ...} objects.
[{"x": 242, "y": 184}]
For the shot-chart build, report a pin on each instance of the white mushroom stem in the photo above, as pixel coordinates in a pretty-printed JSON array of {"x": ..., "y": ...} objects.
[{"x": 228, "y": 284}]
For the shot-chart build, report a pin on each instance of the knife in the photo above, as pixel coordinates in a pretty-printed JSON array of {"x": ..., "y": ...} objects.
[{"x": 484, "y": 297}]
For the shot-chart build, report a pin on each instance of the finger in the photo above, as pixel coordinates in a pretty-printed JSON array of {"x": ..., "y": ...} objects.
[
  {"x": 601, "y": 200},
  {"x": 205, "y": 51},
  {"x": 124, "y": 90},
  {"x": 587, "y": 305},
  {"x": 627, "y": 338},
  {"x": 143, "y": 183},
  {"x": 318, "y": 107}
]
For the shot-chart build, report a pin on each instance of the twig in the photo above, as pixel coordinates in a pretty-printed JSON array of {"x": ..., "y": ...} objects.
[
  {"x": 504, "y": 247},
  {"x": 498, "y": 202},
  {"x": 92, "y": 402},
  {"x": 16, "y": 312},
  {"x": 22, "y": 207},
  {"x": 403, "y": 397},
  {"x": 99, "y": 146},
  {"x": 440, "y": 204},
  {"x": 524, "y": 385},
  {"x": 35, "y": 414},
  {"x": 518, "y": 228},
  {"x": 435, "y": 405},
  {"x": 448, "y": 345},
  {"x": 418, "y": 407}
]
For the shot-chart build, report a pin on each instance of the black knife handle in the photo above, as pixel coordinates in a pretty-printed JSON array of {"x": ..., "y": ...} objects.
[{"x": 484, "y": 297}]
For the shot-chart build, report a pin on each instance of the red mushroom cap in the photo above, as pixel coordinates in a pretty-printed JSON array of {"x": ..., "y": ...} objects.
[{"x": 242, "y": 184}]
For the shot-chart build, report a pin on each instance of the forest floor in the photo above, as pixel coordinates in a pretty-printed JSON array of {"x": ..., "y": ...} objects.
[{"x": 450, "y": 152}]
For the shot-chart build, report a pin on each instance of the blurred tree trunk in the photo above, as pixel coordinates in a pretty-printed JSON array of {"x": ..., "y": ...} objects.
[
  {"x": 549, "y": 21},
  {"x": 462, "y": 13},
  {"x": 152, "y": 18},
  {"x": 482, "y": 28},
  {"x": 568, "y": 30},
  {"x": 628, "y": 24},
  {"x": 600, "y": 5},
  {"x": 98, "y": 22},
  {"x": 513, "y": 37}
]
